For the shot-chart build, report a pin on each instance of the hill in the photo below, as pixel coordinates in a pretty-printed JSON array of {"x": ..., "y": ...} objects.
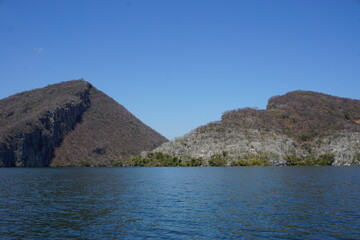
[
  {"x": 69, "y": 124},
  {"x": 298, "y": 128}
]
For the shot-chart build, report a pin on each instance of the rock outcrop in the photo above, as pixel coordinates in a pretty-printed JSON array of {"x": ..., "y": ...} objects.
[
  {"x": 45, "y": 127},
  {"x": 299, "y": 124}
]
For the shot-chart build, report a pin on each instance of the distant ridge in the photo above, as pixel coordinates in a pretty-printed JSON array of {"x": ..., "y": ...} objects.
[
  {"x": 69, "y": 124},
  {"x": 298, "y": 128},
  {"x": 74, "y": 124}
]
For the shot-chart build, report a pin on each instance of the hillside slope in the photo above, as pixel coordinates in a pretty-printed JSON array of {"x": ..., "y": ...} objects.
[
  {"x": 297, "y": 127},
  {"x": 69, "y": 124}
]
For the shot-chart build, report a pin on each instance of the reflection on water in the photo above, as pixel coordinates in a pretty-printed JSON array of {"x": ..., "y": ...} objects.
[{"x": 181, "y": 203}]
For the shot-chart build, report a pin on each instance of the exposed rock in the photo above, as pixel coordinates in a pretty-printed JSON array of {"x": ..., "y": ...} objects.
[
  {"x": 107, "y": 133},
  {"x": 300, "y": 123},
  {"x": 235, "y": 142},
  {"x": 344, "y": 146},
  {"x": 35, "y": 125}
]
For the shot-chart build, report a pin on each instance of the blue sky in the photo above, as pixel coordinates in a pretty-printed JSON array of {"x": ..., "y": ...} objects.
[{"x": 179, "y": 64}]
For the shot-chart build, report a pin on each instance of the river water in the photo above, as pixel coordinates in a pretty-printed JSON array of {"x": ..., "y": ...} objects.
[{"x": 180, "y": 203}]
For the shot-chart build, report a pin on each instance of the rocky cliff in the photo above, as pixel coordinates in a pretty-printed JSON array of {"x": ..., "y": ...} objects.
[
  {"x": 299, "y": 127},
  {"x": 69, "y": 124}
]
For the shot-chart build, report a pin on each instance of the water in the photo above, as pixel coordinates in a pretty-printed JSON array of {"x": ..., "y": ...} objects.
[{"x": 180, "y": 203}]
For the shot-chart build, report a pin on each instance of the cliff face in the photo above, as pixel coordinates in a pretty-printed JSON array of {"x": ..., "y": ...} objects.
[
  {"x": 35, "y": 125},
  {"x": 302, "y": 124},
  {"x": 35, "y": 147},
  {"x": 107, "y": 133}
]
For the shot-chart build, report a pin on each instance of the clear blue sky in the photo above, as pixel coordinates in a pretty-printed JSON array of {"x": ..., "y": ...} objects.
[{"x": 179, "y": 64}]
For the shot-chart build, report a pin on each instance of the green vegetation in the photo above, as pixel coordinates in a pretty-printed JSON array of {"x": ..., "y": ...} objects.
[
  {"x": 156, "y": 159},
  {"x": 84, "y": 163},
  {"x": 159, "y": 159},
  {"x": 357, "y": 156},
  {"x": 218, "y": 160},
  {"x": 117, "y": 163},
  {"x": 356, "y": 160},
  {"x": 310, "y": 160},
  {"x": 251, "y": 159},
  {"x": 194, "y": 162}
]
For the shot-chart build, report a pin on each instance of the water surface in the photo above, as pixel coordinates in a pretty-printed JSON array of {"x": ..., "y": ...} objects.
[{"x": 180, "y": 203}]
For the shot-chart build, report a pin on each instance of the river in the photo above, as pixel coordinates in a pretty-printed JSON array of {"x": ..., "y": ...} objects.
[{"x": 180, "y": 203}]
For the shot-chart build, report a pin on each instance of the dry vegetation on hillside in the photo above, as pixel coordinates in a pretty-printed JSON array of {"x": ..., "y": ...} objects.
[
  {"x": 107, "y": 133},
  {"x": 73, "y": 122},
  {"x": 298, "y": 125},
  {"x": 302, "y": 115}
]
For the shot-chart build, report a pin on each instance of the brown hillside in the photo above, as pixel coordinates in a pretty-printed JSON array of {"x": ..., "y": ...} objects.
[
  {"x": 22, "y": 112},
  {"x": 69, "y": 124},
  {"x": 108, "y": 132},
  {"x": 298, "y": 128},
  {"x": 309, "y": 114},
  {"x": 300, "y": 114}
]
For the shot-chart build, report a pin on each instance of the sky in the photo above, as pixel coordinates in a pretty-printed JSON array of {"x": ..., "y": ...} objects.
[{"x": 180, "y": 64}]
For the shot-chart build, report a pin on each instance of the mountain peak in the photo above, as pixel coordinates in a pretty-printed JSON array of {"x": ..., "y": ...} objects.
[
  {"x": 69, "y": 124},
  {"x": 301, "y": 123}
]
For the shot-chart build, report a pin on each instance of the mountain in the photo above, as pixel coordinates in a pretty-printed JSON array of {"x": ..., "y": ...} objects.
[
  {"x": 69, "y": 124},
  {"x": 298, "y": 128}
]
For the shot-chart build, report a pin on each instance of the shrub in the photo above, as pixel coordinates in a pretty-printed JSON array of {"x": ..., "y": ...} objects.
[
  {"x": 310, "y": 160},
  {"x": 251, "y": 159},
  {"x": 292, "y": 160},
  {"x": 357, "y": 156},
  {"x": 138, "y": 161},
  {"x": 217, "y": 160},
  {"x": 156, "y": 159},
  {"x": 117, "y": 163},
  {"x": 325, "y": 159},
  {"x": 239, "y": 163},
  {"x": 194, "y": 162},
  {"x": 84, "y": 163},
  {"x": 356, "y": 159}
]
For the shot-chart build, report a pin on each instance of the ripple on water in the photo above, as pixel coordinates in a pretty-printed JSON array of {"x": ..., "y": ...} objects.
[{"x": 181, "y": 203}]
